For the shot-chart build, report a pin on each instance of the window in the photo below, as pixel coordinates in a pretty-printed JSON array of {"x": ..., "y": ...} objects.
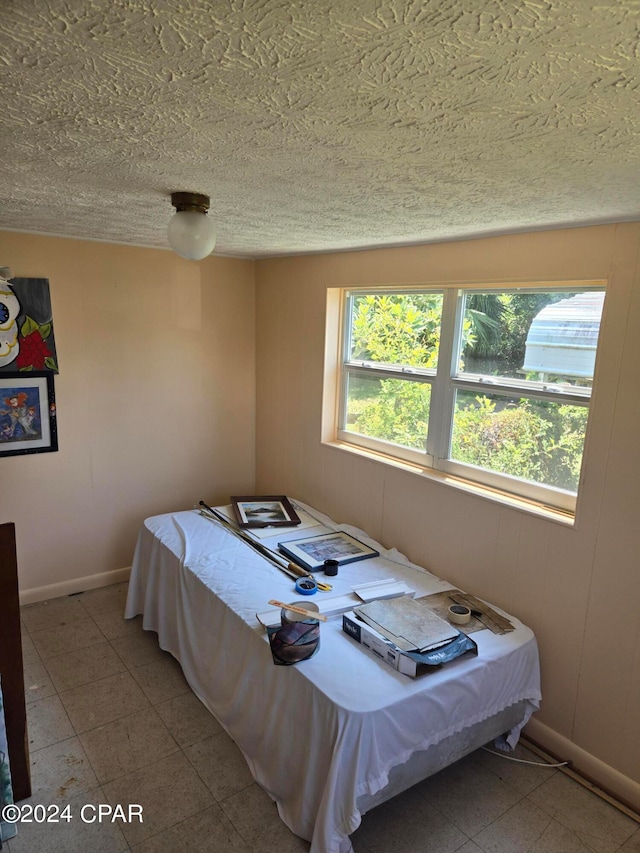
[{"x": 490, "y": 385}]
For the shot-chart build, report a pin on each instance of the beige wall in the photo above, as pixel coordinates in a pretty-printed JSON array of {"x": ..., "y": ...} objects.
[
  {"x": 155, "y": 401},
  {"x": 578, "y": 588}
]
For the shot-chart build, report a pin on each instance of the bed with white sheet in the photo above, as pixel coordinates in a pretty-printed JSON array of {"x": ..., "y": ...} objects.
[{"x": 333, "y": 736}]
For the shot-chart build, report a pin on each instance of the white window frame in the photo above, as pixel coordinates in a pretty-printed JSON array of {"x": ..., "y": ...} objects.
[{"x": 445, "y": 381}]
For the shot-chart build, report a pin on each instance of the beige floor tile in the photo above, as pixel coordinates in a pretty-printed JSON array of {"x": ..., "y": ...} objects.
[
  {"x": 114, "y": 626},
  {"x": 209, "y": 831},
  {"x": 56, "y": 641},
  {"x": 469, "y": 847},
  {"x": 106, "y": 599},
  {"x": 187, "y": 719},
  {"x": 84, "y": 666},
  {"x": 103, "y": 701},
  {"x": 29, "y": 653},
  {"x": 128, "y": 744},
  {"x": 633, "y": 844},
  {"x": 47, "y": 723},
  {"x": 469, "y": 795},
  {"x": 37, "y": 683},
  {"x": 220, "y": 765},
  {"x": 169, "y": 791},
  {"x": 597, "y": 824},
  {"x": 161, "y": 680},
  {"x": 255, "y": 816},
  {"x": 406, "y": 824},
  {"x": 516, "y": 831},
  {"x": 139, "y": 648},
  {"x": 75, "y": 835},
  {"x": 558, "y": 839},
  {"x": 60, "y": 772},
  {"x": 53, "y": 614},
  {"x": 522, "y": 777}
]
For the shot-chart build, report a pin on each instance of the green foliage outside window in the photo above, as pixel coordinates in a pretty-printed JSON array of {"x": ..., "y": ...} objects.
[
  {"x": 397, "y": 329},
  {"x": 390, "y": 410},
  {"x": 537, "y": 441},
  {"x": 401, "y": 329}
]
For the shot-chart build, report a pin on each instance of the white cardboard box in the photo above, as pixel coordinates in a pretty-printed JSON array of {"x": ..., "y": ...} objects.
[
  {"x": 380, "y": 646},
  {"x": 385, "y": 649}
]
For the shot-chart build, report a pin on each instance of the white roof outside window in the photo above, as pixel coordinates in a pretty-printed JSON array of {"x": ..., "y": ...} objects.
[{"x": 563, "y": 336}]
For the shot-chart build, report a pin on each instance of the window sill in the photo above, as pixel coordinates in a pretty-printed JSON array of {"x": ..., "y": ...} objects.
[{"x": 567, "y": 519}]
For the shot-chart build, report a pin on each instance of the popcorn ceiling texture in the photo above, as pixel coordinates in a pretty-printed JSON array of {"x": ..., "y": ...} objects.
[{"x": 318, "y": 124}]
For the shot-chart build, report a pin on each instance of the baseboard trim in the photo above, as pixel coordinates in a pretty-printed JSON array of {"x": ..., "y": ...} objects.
[
  {"x": 594, "y": 772},
  {"x": 57, "y": 590}
]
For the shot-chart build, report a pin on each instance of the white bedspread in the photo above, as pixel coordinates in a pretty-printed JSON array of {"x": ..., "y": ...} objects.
[{"x": 319, "y": 734}]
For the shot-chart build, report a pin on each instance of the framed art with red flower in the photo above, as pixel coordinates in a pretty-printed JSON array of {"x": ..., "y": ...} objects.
[
  {"x": 27, "y": 414},
  {"x": 27, "y": 340}
]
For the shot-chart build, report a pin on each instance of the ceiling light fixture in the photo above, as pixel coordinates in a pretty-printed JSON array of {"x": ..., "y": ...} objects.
[{"x": 191, "y": 233}]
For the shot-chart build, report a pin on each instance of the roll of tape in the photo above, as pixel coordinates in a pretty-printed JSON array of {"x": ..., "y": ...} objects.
[
  {"x": 306, "y": 586},
  {"x": 289, "y": 616},
  {"x": 459, "y": 614}
]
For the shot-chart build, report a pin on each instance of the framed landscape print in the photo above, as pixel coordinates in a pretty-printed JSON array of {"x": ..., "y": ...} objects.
[
  {"x": 27, "y": 414},
  {"x": 312, "y": 551},
  {"x": 264, "y": 511}
]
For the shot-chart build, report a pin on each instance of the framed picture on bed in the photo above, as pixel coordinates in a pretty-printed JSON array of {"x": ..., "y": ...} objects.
[
  {"x": 264, "y": 511},
  {"x": 27, "y": 413},
  {"x": 312, "y": 551}
]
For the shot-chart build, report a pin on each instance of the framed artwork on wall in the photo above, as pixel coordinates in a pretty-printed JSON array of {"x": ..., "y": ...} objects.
[
  {"x": 27, "y": 414},
  {"x": 27, "y": 338}
]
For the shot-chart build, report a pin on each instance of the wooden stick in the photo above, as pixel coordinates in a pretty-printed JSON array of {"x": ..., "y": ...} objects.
[{"x": 311, "y": 614}]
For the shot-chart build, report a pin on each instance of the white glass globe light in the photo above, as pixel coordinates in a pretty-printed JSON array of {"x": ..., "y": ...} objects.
[{"x": 191, "y": 234}]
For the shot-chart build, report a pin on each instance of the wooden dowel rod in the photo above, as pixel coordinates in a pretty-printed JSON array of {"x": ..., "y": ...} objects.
[{"x": 310, "y": 614}]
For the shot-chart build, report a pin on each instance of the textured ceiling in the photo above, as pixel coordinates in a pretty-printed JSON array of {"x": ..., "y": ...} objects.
[{"x": 318, "y": 124}]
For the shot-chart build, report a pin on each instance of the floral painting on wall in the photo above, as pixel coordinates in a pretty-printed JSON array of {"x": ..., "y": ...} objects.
[{"x": 27, "y": 340}]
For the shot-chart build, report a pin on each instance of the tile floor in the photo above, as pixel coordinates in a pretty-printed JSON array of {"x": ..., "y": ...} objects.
[{"x": 112, "y": 720}]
